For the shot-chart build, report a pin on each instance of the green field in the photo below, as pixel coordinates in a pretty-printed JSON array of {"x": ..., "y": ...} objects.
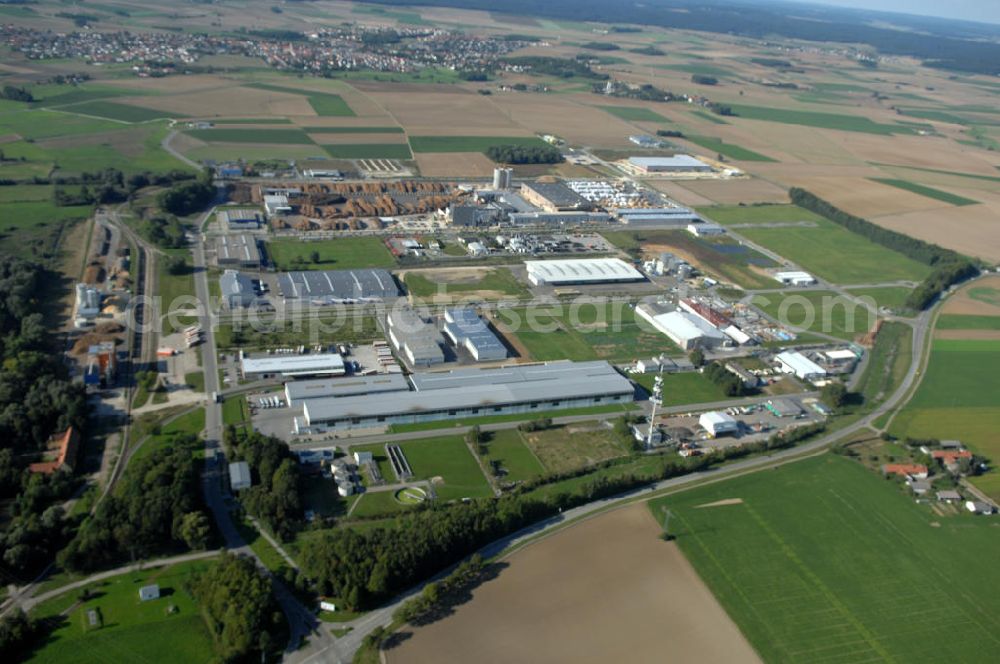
[
  {"x": 967, "y": 322},
  {"x": 681, "y": 389},
  {"x": 32, "y": 228},
  {"x": 38, "y": 124},
  {"x": 517, "y": 461},
  {"x": 446, "y": 457},
  {"x": 922, "y": 169},
  {"x": 893, "y": 297},
  {"x": 698, "y": 68},
  {"x": 131, "y": 630},
  {"x": 261, "y": 121},
  {"x": 758, "y": 214},
  {"x": 356, "y": 327},
  {"x": 325, "y": 104},
  {"x": 500, "y": 280},
  {"x": 836, "y": 254},
  {"x": 721, "y": 257},
  {"x": 189, "y": 423},
  {"x": 354, "y": 130},
  {"x": 369, "y": 151},
  {"x": 727, "y": 149},
  {"x": 608, "y": 331},
  {"x": 607, "y": 409},
  {"x": 469, "y": 143},
  {"x": 888, "y": 362},
  {"x": 711, "y": 117},
  {"x": 820, "y": 120},
  {"x": 825, "y": 561},
  {"x": 956, "y": 399},
  {"x": 571, "y": 446},
  {"x": 115, "y": 111},
  {"x": 928, "y": 192},
  {"x": 342, "y": 254},
  {"x": 634, "y": 113},
  {"x": 268, "y": 136},
  {"x": 817, "y": 311}
]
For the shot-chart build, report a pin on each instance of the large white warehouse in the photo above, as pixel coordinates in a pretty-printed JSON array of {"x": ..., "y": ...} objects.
[
  {"x": 793, "y": 362},
  {"x": 684, "y": 329},
  {"x": 581, "y": 271},
  {"x": 717, "y": 423}
]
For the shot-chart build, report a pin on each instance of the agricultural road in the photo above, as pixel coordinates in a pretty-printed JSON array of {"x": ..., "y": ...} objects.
[{"x": 166, "y": 145}]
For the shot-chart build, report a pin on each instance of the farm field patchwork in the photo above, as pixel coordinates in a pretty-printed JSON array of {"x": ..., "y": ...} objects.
[
  {"x": 341, "y": 254},
  {"x": 143, "y": 630},
  {"x": 369, "y": 151},
  {"x": 354, "y": 130},
  {"x": 856, "y": 123},
  {"x": 824, "y": 560},
  {"x": 888, "y": 362},
  {"x": 469, "y": 143},
  {"x": 758, "y": 214},
  {"x": 323, "y": 103},
  {"x": 634, "y": 113},
  {"x": 967, "y": 322},
  {"x": 115, "y": 111},
  {"x": 929, "y": 192},
  {"x": 727, "y": 149},
  {"x": 269, "y": 136}
]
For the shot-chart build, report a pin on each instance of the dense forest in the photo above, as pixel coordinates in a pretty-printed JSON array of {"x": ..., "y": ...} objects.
[
  {"x": 156, "y": 507},
  {"x": 524, "y": 154},
  {"x": 188, "y": 197},
  {"x": 37, "y": 399},
  {"x": 939, "y": 43},
  {"x": 274, "y": 495},
  {"x": 949, "y": 267},
  {"x": 109, "y": 186},
  {"x": 559, "y": 67}
]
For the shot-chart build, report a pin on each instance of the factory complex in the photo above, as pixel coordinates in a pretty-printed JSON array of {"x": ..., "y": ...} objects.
[{"x": 472, "y": 392}]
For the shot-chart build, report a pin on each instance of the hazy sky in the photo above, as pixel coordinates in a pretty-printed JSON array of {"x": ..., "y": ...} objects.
[{"x": 987, "y": 11}]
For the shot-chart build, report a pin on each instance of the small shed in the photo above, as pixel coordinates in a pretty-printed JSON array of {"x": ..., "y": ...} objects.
[
  {"x": 362, "y": 458},
  {"x": 949, "y": 496},
  {"x": 146, "y": 593},
  {"x": 239, "y": 476}
]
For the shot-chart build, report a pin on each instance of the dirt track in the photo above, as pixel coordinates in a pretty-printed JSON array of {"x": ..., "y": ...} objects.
[{"x": 606, "y": 590}]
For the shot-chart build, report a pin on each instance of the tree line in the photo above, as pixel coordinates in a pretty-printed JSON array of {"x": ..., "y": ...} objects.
[
  {"x": 273, "y": 496},
  {"x": 15, "y": 93},
  {"x": 108, "y": 186},
  {"x": 558, "y": 67},
  {"x": 730, "y": 384},
  {"x": 949, "y": 267},
  {"x": 524, "y": 154},
  {"x": 188, "y": 197}
]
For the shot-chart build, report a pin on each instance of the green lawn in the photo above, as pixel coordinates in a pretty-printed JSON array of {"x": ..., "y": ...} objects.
[
  {"x": 131, "y": 630},
  {"x": 500, "y": 280},
  {"x": 823, "y": 560},
  {"x": 856, "y": 123},
  {"x": 727, "y": 149},
  {"x": 836, "y": 254},
  {"x": 234, "y": 411},
  {"x": 571, "y": 446},
  {"x": 115, "y": 111},
  {"x": 607, "y": 331},
  {"x": 888, "y": 362},
  {"x": 817, "y": 311},
  {"x": 30, "y": 228},
  {"x": 325, "y": 104},
  {"x": 176, "y": 291},
  {"x": 518, "y": 462},
  {"x": 634, "y": 113},
  {"x": 369, "y": 151},
  {"x": 341, "y": 254},
  {"x": 758, "y": 214},
  {"x": 893, "y": 297},
  {"x": 469, "y": 143},
  {"x": 956, "y": 399},
  {"x": 246, "y": 135},
  {"x": 190, "y": 423},
  {"x": 681, "y": 389},
  {"x": 929, "y": 192}
]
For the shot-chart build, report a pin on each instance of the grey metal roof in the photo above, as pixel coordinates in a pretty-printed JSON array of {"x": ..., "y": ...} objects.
[
  {"x": 583, "y": 270},
  {"x": 591, "y": 380},
  {"x": 338, "y": 284},
  {"x": 232, "y": 283},
  {"x": 298, "y": 390},
  {"x": 465, "y": 326},
  {"x": 559, "y": 195},
  {"x": 240, "y": 248},
  {"x": 291, "y": 365},
  {"x": 516, "y": 373},
  {"x": 239, "y": 473}
]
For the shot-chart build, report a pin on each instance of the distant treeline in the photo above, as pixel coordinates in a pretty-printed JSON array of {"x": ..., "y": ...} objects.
[
  {"x": 524, "y": 154},
  {"x": 188, "y": 197},
  {"x": 14, "y": 93},
  {"x": 702, "y": 79},
  {"x": 949, "y": 267},
  {"x": 600, "y": 46},
  {"x": 648, "y": 50},
  {"x": 560, "y": 67},
  {"x": 947, "y": 45}
]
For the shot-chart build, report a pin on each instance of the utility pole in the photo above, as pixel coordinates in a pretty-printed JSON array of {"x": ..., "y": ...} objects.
[{"x": 657, "y": 399}]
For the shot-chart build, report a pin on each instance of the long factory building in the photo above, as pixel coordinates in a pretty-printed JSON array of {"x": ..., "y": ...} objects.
[
  {"x": 468, "y": 393},
  {"x": 581, "y": 271}
]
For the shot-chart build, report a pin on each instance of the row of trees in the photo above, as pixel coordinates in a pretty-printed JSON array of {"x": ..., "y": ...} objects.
[
  {"x": 155, "y": 508},
  {"x": 703, "y": 79},
  {"x": 949, "y": 267},
  {"x": 524, "y": 154},
  {"x": 188, "y": 197},
  {"x": 731, "y": 384},
  {"x": 274, "y": 494},
  {"x": 15, "y": 93},
  {"x": 558, "y": 67},
  {"x": 108, "y": 186}
]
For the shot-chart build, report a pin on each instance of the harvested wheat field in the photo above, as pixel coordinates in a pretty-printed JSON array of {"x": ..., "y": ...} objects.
[
  {"x": 980, "y": 298},
  {"x": 607, "y": 589},
  {"x": 970, "y": 230},
  {"x": 445, "y": 114},
  {"x": 454, "y": 164},
  {"x": 864, "y": 197},
  {"x": 563, "y": 116},
  {"x": 733, "y": 192},
  {"x": 679, "y": 193}
]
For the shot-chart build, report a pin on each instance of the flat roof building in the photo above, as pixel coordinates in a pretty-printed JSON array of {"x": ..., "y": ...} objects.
[
  {"x": 466, "y": 329},
  {"x": 717, "y": 423},
  {"x": 705, "y": 229},
  {"x": 239, "y": 218},
  {"x": 795, "y": 278},
  {"x": 581, "y": 271},
  {"x": 239, "y": 476},
  {"x": 793, "y": 362},
  {"x": 291, "y": 366},
  {"x": 417, "y": 340},
  {"x": 553, "y": 196},
  {"x": 679, "y": 163},
  {"x": 239, "y": 250},
  {"x": 661, "y": 216},
  {"x": 276, "y": 204},
  {"x": 237, "y": 289},
  {"x": 477, "y": 392},
  {"x": 329, "y": 286},
  {"x": 684, "y": 329},
  {"x": 298, "y": 391}
]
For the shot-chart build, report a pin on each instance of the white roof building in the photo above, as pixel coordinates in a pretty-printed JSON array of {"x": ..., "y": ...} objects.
[
  {"x": 795, "y": 278},
  {"x": 793, "y": 362},
  {"x": 276, "y": 204},
  {"x": 679, "y": 163},
  {"x": 686, "y": 330},
  {"x": 581, "y": 271},
  {"x": 717, "y": 423},
  {"x": 704, "y": 229},
  {"x": 316, "y": 364}
]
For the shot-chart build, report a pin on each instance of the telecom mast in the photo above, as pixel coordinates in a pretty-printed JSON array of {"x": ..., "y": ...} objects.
[{"x": 657, "y": 399}]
